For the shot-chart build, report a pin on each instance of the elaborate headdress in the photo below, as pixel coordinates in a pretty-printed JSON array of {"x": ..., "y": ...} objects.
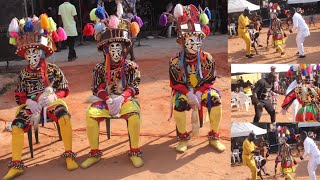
[
  {"x": 113, "y": 28},
  {"x": 274, "y": 8},
  {"x": 35, "y": 32},
  {"x": 190, "y": 20}
]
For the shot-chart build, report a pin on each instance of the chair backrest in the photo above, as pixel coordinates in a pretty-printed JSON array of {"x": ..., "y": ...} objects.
[
  {"x": 234, "y": 95},
  {"x": 236, "y": 151},
  {"x": 242, "y": 97}
]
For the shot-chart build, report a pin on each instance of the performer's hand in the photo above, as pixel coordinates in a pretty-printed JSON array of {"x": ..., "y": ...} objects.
[
  {"x": 116, "y": 105},
  {"x": 34, "y": 107},
  {"x": 301, "y": 158},
  {"x": 283, "y": 112},
  {"x": 45, "y": 101},
  {"x": 193, "y": 100},
  {"x": 199, "y": 95}
]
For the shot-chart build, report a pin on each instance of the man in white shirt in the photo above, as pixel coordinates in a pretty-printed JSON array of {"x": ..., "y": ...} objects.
[
  {"x": 295, "y": 104},
  {"x": 68, "y": 16},
  {"x": 300, "y": 25},
  {"x": 310, "y": 150}
]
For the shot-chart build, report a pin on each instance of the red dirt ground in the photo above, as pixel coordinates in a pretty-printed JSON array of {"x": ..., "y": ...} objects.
[{"x": 157, "y": 134}]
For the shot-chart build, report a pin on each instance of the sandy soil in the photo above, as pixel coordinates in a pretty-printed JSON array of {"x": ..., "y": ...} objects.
[
  {"x": 243, "y": 116},
  {"x": 236, "y": 49},
  {"x": 157, "y": 134},
  {"x": 243, "y": 173}
]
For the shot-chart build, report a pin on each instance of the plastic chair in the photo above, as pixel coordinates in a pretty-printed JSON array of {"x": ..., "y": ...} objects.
[
  {"x": 36, "y": 134},
  {"x": 232, "y": 29},
  {"x": 243, "y": 100},
  {"x": 234, "y": 101},
  {"x": 236, "y": 155}
]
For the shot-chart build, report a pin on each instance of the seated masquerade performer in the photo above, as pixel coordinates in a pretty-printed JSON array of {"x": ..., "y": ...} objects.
[
  {"x": 276, "y": 30},
  {"x": 307, "y": 95},
  {"x": 285, "y": 158},
  {"x": 192, "y": 75},
  {"x": 40, "y": 89},
  {"x": 115, "y": 83}
]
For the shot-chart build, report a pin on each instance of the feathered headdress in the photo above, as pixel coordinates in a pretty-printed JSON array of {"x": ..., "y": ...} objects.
[{"x": 34, "y": 33}]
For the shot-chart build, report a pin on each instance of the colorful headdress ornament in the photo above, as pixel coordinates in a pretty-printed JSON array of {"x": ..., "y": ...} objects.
[{"x": 35, "y": 33}]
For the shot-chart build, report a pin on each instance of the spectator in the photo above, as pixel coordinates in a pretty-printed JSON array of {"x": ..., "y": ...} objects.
[{"x": 68, "y": 16}]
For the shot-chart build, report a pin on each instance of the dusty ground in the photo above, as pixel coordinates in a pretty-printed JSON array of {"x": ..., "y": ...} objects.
[
  {"x": 236, "y": 49},
  {"x": 157, "y": 134},
  {"x": 243, "y": 116},
  {"x": 243, "y": 173}
]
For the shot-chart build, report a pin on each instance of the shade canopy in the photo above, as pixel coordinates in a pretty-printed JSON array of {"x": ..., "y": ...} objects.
[
  {"x": 239, "y": 129},
  {"x": 239, "y": 5}
]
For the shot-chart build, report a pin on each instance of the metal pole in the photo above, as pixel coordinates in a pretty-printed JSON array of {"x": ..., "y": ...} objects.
[
  {"x": 26, "y": 8},
  {"x": 80, "y": 19}
]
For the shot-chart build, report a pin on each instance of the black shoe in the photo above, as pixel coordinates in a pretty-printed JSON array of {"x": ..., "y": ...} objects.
[
  {"x": 297, "y": 53},
  {"x": 302, "y": 56},
  {"x": 249, "y": 56},
  {"x": 72, "y": 59}
]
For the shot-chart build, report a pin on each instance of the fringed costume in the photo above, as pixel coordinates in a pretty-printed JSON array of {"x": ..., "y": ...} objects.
[
  {"x": 192, "y": 75},
  {"x": 40, "y": 89},
  {"x": 115, "y": 85}
]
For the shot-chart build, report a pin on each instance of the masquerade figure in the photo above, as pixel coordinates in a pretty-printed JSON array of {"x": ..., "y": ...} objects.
[
  {"x": 276, "y": 30},
  {"x": 192, "y": 74},
  {"x": 115, "y": 83},
  {"x": 40, "y": 89},
  {"x": 274, "y": 96},
  {"x": 285, "y": 158},
  {"x": 307, "y": 95}
]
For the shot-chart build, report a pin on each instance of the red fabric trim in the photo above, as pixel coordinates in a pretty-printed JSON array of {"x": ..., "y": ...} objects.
[
  {"x": 214, "y": 134},
  {"x": 21, "y": 97},
  {"x": 205, "y": 87},
  {"x": 103, "y": 95},
  {"x": 309, "y": 117},
  {"x": 179, "y": 87},
  {"x": 289, "y": 98},
  {"x": 62, "y": 93},
  {"x": 127, "y": 93}
]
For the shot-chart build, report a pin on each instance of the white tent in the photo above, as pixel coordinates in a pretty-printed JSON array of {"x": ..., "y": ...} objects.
[
  {"x": 240, "y": 5},
  {"x": 308, "y": 124},
  {"x": 301, "y": 1},
  {"x": 239, "y": 129},
  {"x": 258, "y": 68}
]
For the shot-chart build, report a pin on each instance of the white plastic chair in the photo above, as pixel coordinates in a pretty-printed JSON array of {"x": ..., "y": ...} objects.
[
  {"x": 232, "y": 29},
  {"x": 234, "y": 100},
  {"x": 243, "y": 99},
  {"x": 236, "y": 155}
]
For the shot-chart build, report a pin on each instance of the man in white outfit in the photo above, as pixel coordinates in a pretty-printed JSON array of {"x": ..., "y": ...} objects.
[
  {"x": 295, "y": 104},
  {"x": 310, "y": 150},
  {"x": 303, "y": 30}
]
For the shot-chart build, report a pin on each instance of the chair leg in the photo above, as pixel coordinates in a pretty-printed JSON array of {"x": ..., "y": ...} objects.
[
  {"x": 30, "y": 141},
  {"x": 59, "y": 132},
  {"x": 36, "y": 135},
  {"x": 108, "y": 127}
]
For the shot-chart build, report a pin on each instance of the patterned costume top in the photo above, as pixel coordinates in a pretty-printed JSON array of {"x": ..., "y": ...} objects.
[
  {"x": 183, "y": 82},
  {"x": 276, "y": 28},
  {"x": 31, "y": 83},
  {"x": 306, "y": 95},
  {"x": 285, "y": 157},
  {"x": 101, "y": 87}
]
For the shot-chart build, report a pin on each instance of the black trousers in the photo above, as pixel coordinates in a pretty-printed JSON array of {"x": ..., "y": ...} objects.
[
  {"x": 72, "y": 52},
  {"x": 259, "y": 108}
]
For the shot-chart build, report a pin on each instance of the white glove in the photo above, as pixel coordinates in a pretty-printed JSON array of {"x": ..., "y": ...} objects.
[
  {"x": 115, "y": 106},
  {"x": 199, "y": 95},
  {"x": 34, "y": 107},
  {"x": 45, "y": 101},
  {"x": 193, "y": 100},
  {"x": 283, "y": 112}
]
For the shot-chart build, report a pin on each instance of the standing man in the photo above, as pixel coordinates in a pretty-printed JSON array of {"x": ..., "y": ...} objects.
[
  {"x": 243, "y": 24},
  {"x": 303, "y": 30},
  {"x": 68, "y": 16},
  {"x": 249, "y": 148},
  {"x": 261, "y": 97},
  {"x": 311, "y": 150}
]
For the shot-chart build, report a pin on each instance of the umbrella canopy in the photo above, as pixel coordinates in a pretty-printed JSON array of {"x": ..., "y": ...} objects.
[
  {"x": 301, "y": 1},
  {"x": 240, "y": 5},
  {"x": 239, "y": 129}
]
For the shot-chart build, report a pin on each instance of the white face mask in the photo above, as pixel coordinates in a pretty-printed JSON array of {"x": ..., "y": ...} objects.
[
  {"x": 33, "y": 56},
  {"x": 115, "y": 51},
  {"x": 192, "y": 44}
]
